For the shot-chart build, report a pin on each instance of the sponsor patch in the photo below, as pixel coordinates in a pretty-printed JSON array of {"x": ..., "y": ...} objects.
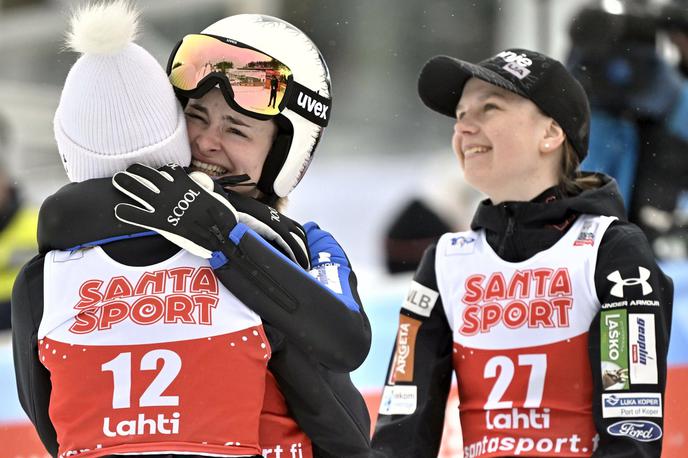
[
  {"x": 398, "y": 400},
  {"x": 461, "y": 245},
  {"x": 586, "y": 237},
  {"x": 420, "y": 299},
  {"x": 620, "y": 283},
  {"x": 640, "y": 430},
  {"x": 328, "y": 275},
  {"x": 633, "y": 303},
  {"x": 614, "y": 350},
  {"x": 404, "y": 354},
  {"x": 631, "y": 405},
  {"x": 642, "y": 347},
  {"x": 64, "y": 256}
]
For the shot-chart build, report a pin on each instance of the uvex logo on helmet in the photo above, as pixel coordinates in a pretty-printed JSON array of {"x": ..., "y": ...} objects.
[
  {"x": 182, "y": 206},
  {"x": 312, "y": 106}
]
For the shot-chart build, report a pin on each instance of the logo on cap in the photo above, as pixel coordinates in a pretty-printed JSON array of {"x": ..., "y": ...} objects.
[{"x": 516, "y": 64}]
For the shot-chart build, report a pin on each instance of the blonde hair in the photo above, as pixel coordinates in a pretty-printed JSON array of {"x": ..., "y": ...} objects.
[{"x": 571, "y": 181}]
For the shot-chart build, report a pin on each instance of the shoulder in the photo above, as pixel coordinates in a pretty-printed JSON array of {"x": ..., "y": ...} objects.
[{"x": 625, "y": 239}]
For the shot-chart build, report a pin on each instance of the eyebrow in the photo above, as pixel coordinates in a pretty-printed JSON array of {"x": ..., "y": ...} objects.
[
  {"x": 230, "y": 118},
  {"x": 487, "y": 95}
]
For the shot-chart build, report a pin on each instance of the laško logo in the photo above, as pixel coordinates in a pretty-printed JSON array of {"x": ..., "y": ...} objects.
[
  {"x": 533, "y": 297},
  {"x": 183, "y": 294}
]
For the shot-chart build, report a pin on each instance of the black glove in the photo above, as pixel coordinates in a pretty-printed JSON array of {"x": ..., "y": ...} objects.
[
  {"x": 182, "y": 208},
  {"x": 287, "y": 234}
]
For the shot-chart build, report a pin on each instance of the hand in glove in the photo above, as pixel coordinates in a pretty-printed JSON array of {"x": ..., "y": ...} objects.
[
  {"x": 182, "y": 208},
  {"x": 274, "y": 227}
]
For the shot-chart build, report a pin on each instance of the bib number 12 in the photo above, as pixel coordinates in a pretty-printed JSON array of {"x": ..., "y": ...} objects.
[{"x": 121, "y": 370}]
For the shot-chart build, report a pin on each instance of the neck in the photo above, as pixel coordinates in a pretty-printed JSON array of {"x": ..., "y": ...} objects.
[{"x": 523, "y": 189}]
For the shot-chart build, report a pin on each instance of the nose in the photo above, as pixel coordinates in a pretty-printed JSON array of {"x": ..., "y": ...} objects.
[
  {"x": 465, "y": 124},
  {"x": 207, "y": 141}
]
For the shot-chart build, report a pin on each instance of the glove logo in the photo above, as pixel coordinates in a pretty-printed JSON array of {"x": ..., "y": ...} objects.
[
  {"x": 274, "y": 215},
  {"x": 182, "y": 206},
  {"x": 619, "y": 282}
]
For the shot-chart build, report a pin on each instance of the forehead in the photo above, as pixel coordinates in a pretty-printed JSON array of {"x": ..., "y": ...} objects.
[
  {"x": 216, "y": 105},
  {"x": 477, "y": 89}
]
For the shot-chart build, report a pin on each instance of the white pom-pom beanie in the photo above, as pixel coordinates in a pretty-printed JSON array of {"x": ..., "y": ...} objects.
[{"x": 117, "y": 106}]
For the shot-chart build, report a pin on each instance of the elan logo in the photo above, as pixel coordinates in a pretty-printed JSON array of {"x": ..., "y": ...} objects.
[
  {"x": 182, "y": 206},
  {"x": 312, "y": 105},
  {"x": 620, "y": 282}
]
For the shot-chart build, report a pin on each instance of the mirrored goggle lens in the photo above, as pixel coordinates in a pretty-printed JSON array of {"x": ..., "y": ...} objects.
[{"x": 258, "y": 81}]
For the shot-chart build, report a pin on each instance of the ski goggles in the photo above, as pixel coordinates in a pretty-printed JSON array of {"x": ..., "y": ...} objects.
[{"x": 253, "y": 82}]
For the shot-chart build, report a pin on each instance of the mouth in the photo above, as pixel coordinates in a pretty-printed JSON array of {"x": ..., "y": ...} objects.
[
  {"x": 209, "y": 169},
  {"x": 473, "y": 151}
]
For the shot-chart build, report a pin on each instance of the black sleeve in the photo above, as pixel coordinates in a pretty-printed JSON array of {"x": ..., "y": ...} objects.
[
  {"x": 33, "y": 379},
  {"x": 330, "y": 327},
  {"x": 629, "y": 340},
  {"x": 326, "y": 405},
  {"x": 422, "y": 364}
]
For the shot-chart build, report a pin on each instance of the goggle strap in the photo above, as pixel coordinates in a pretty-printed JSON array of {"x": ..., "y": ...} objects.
[{"x": 310, "y": 105}]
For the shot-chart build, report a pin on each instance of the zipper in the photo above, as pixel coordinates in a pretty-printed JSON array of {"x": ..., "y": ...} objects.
[{"x": 510, "y": 224}]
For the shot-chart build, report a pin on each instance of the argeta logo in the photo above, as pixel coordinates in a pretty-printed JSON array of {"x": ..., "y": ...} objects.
[{"x": 619, "y": 282}]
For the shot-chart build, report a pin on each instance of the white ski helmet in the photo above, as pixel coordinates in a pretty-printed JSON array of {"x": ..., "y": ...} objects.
[{"x": 305, "y": 112}]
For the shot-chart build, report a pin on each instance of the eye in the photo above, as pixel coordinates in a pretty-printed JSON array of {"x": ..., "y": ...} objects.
[
  {"x": 460, "y": 114},
  {"x": 195, "y": 116},
  {"x": 490, "y": 106},
  {"x": 235, "y": 131}
]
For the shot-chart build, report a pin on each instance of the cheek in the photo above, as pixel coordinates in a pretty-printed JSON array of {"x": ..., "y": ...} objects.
[{"x": 456, "y": 146}]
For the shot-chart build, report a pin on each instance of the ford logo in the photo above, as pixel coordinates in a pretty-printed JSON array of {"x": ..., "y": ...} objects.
[{"x": 640, "y": 430}]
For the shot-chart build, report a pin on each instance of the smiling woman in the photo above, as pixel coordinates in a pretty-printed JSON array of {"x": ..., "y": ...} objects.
[
  {"x": 533, "y": 359},
  {"x": 225, "y": 142}
]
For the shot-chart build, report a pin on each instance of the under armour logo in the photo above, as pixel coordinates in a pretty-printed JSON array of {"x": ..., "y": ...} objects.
[{"x": 619, "y": 282}]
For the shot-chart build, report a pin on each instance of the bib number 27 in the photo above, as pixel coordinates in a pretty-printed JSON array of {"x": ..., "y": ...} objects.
[{"x": 503, "y": 369}]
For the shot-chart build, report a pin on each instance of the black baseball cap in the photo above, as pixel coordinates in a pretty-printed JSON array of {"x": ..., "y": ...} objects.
[{"x": 539, "y": 78}]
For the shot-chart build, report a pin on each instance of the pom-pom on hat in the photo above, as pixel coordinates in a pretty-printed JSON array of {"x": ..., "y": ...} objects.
[{"x": 117, "y": 106}]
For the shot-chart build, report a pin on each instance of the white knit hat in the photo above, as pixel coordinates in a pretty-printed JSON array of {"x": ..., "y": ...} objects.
[{"x": 117, "y": 106}]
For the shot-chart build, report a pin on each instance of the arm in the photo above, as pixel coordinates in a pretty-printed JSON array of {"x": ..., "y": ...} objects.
[
  {"x": 326, "y": 405},
  {"x": 405, "y": 430},
  {"x": 318, "y": 312},
  {"x": 33, "y": 379},
  {"x": 640, "y": 331}
]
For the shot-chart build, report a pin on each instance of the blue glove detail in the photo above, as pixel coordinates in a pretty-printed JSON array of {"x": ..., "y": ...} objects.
[
  {"x": 238, "y": 232},
  {"x": 218, "y": 259},
  {"x": 329, "y": 264}
]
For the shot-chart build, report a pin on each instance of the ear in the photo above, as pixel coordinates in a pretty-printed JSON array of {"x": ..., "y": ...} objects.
[{"x": 552, "y": 138}]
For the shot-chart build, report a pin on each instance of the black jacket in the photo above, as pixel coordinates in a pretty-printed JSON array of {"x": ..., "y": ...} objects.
[
  {"x": 314, "y": 379},
  {"x": 516, "y": 231}
]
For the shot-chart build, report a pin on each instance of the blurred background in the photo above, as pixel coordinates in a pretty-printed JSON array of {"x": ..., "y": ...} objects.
[{"x": 385, "y": 163}]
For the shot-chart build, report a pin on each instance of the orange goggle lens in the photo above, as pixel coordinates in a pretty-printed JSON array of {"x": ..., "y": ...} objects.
[{"x": 257, "y": 80}]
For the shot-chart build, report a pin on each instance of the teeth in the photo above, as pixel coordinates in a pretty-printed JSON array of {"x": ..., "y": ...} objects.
[
  {"x": 210, "y": 169},
  {"x": 475, "y": 150}
]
